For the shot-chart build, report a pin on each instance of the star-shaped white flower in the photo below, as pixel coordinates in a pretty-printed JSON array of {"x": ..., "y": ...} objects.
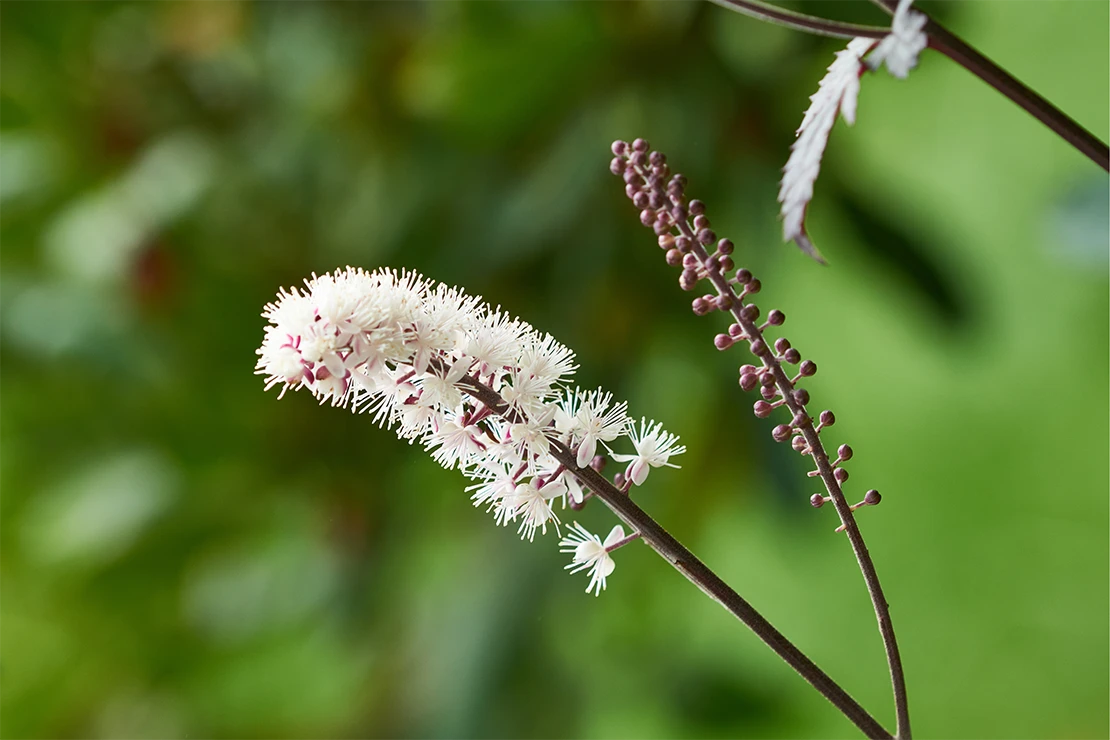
[
  {"x": 533, "y": 505},
  {"x": 591, "y": 553},
  {"x": 589, "y": 418},
  {"x": 531, "y": 433},
  {"x": 454, "y": 444},
  {"x": 654, "y": 447},
  {"x": 495, "y": 482}
]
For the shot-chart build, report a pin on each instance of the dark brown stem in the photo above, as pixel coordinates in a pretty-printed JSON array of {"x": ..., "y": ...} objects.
[
  {"x": 825, "y": 470},
  {"x": 889, "y": 6},
  {"x": 959, "y": 51},
  {"x": 1064, "y": 125},
  {"x": 801, "y": 22},
  {"x": 695, "y": 570}
]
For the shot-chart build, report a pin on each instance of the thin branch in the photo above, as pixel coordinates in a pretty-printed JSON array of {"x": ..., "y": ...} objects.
[
  {"x": 953, "y": 47},
  {"x": 622, "y": 542},
  {"x": 959, "y": 51},
  {"x": 694, "y": 569},
  {"x": 889, "y": 6},
  {"x": 802, "y": 22},
  {"x": 825, "y": 468},
  {"x": 1065, "y": 126}
]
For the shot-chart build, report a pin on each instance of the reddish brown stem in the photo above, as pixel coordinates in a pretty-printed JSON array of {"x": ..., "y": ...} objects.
[
  {"x": 962, "y": 53},
  {"x": 692, "y": 568},
  {"x": 1063, "y": 125},
  {"x": 821, "y": 459}
]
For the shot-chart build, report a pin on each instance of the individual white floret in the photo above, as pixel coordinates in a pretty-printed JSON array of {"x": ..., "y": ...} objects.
[
  {"x": 654, "y": 448},
  {"x": 533, "y": 505},
  {"x": 453, "y": 444},
  {"x": 595, "y": 421},
  {"x": 545, "y": 359},
  {"x": 417, "y": 418},
  {"x": 439, "y": 387},
  {"x": 282, "y": 361},
  {"x": 382, "y": 394},
  {"x": 531, "y": 432},
  {"x": 495, "y": 342},
  {"x": 495, "y": 481},
  {"x": 526, "y": 393},
  {"x": 591, "y": 554}
]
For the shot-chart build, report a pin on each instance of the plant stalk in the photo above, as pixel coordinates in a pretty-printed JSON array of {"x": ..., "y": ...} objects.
[
  {"x": 1063, "y": 125},
  {"x": 800, "y": 21},
  {"x": 693, "y": 569},
  {"x": 953, "y": 47},
  {"x": 821, "y": 459},
  {"x": 962, "y": 53}
]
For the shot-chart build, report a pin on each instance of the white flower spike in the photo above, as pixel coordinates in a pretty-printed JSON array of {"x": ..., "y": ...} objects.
[{"x": 407, "y": 350}]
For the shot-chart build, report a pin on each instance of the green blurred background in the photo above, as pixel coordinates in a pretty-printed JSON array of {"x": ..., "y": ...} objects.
[{"x": 183, "y": 555}]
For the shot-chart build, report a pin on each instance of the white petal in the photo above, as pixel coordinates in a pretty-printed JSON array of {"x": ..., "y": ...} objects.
[
  {"x": 458, "y": 369},
  {"x": 616, "y": 534},
  {"x": 586, "y": 451},
  {"x": 588, "y": 550},
  {"x": 554, "y": 489}
]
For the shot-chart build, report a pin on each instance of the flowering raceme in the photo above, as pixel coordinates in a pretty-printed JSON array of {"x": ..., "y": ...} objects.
[{"x": 412, "y": 352}]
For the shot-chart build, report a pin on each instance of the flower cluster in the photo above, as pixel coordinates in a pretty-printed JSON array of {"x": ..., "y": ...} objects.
[
  {"x": 686, "y": 236},
  {"x": 413, "y": 353}
]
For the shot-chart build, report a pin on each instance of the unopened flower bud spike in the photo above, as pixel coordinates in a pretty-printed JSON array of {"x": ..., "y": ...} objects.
[{"x": 745, "y": 315}]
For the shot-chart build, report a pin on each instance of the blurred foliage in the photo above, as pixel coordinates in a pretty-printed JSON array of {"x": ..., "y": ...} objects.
[{"x": 183, "y": 555}]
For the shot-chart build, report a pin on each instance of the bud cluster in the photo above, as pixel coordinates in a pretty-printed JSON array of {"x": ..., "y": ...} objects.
[
  {"x": 689, "y": 242},
  {"x": 416, "y": 354}
]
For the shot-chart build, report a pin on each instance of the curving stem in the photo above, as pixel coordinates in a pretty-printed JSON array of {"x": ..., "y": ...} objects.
[
  {"x": 802, "y": 22},
  {"x": 697, "y": 572},
  {"x": 953, "y": 47},
  {"x": 963, "y": 54},
  {"x": 1066, "y": 127},
  {"x": 826, "y": 472}
]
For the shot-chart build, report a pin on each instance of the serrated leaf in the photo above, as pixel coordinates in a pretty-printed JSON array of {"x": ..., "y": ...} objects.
[{"x": 836, "y": 93}]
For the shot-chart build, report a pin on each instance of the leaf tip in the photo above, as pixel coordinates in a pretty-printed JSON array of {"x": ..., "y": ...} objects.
[{"x": 808, "y": 247}]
